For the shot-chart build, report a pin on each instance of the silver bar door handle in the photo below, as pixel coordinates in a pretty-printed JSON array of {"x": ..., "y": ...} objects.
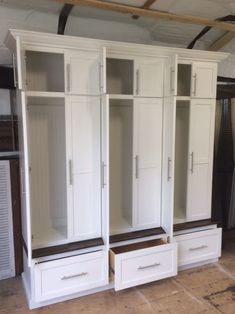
[
  {"x": 168, "y": 169},
  {"x": 192, "y": 162},
  {"x": 101, "y": 76},
  {"x": 103, "y": 175},
  {"x": 74, "y": 276},
  {"x": 14, "y": 70},
  {"x": 68, "y": 77},
  {"x": 137, "y": 82},
  {"x": 195, "y": 84},
  {"x": 22, "y": 180},
  {"x": 198, "y": 248},
  {"x": 172, "y": 80},
  {"x": 70, "y": 172},
  {"x": 148, "y": 266},
  {"x": 137, "y": 167}
]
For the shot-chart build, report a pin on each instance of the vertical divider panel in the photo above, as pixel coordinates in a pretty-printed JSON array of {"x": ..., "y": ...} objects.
[
  {"x": 69, "y": 161},
  {"x": 21, "y": 69},
  {"x": 105, "y": 166},
  {"x": 103, "y": 71},
  {"x": 24, "y": 173}
]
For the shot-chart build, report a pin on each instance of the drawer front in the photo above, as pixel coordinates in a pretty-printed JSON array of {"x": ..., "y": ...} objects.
[
  {"x": 198, "y": 246},
  {"x": 70, "y": 275},
  {"x": 139, "y": 267}
]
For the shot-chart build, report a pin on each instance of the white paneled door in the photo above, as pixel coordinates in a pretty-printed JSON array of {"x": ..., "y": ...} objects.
[
  {"x": 202, "y": 112},
  {"x": 149, "y": 74},
  {"x": 147, "y": 162},
  {"x": 84, "y": 166},
  {"x": 203, "y": 82},
  {"x": 85, "y": 72}
]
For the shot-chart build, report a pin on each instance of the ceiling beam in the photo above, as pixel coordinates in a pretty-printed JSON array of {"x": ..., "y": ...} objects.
[
  {"x": 64, "y": 14},
  {"x": 111, "y": 6},
  {"x": 146, "y": 5},
  {"x": 221, "y": 42},
  {"x": 226, "y": 18}
]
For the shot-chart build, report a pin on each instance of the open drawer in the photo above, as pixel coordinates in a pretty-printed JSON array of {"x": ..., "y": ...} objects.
[{"x": 143, "y": 262}]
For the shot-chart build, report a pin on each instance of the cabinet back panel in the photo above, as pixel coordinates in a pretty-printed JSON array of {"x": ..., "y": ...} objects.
[
  {"x": 47, "y": 163},
  {"x": 119, "y": 76},
  {"x": 45, "y": 71},
  {"x": 181, "y": 158},
  {"x": 184, "y": 79},
  {"x": 121, "y": 130}
]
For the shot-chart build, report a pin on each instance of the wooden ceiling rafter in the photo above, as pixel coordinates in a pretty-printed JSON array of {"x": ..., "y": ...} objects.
[
  {"x": 222, "y": 41},
  {"x": 121, "y": 8},
  {"x": 146, "y": 5}
]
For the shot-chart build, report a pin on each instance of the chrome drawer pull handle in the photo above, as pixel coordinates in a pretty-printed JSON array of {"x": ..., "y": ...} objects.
[
  {"x": 74, "y": 276},
  {"x": 198, "y": 248},
  {"x": 148, "y": 266}
]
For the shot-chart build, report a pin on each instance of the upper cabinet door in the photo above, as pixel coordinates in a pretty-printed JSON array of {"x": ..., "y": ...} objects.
[
  {"x": 84, "y": 166},
  {"x": 19, "y": 68},
  {"x": 170, "y": 77},
  {"x": 149, "y": 73},
  {"x": 201, "y": 139},
  {"x": 86, "y": 72},
  {"x": 203, "y": 81},
  {"x": 147, "y": 163}
]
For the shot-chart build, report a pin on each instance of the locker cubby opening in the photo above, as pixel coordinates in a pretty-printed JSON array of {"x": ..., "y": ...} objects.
[
  {"x": 120, "y": 76},
  {"x": 47, "y": 162},
  {"x": 121, "y": 164},
  {"x": 181, "y": 161},
  {"x": 44, "y": 71},
  {"x": 184, "y": 80}
]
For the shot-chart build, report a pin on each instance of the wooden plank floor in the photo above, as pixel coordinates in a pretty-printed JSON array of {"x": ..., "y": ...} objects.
[{"x": 207, "y": 289}]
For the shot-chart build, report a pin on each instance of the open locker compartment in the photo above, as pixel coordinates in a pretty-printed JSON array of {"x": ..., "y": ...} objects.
[
  {"x": 47, "y": 171},
  {"x": 120, "y": 165},
  {"x": 44, "y": 71},
  {"x": 181, "y": 161}
]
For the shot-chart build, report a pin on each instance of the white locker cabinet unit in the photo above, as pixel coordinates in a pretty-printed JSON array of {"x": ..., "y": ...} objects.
[{"x": 116, "y": 146}]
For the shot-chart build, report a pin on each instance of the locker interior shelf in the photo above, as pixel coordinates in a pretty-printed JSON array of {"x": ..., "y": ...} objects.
[
  {"x": 136, "y": 235},
  {"x": 67, "y": 247},
  {"x": 193, "y": 224},
  {"x": 120, "y": 96},
  {"x": 45, "y": 94}
]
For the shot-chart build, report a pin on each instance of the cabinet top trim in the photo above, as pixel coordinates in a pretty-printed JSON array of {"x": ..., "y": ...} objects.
[{"x": 70, "y": 42}]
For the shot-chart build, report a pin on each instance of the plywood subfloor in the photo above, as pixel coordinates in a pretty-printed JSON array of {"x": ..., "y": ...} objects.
[{"x": 207, "y": 289}]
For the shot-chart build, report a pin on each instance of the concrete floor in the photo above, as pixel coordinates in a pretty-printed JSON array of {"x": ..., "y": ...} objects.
[{"x": 207, "y": 289}]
